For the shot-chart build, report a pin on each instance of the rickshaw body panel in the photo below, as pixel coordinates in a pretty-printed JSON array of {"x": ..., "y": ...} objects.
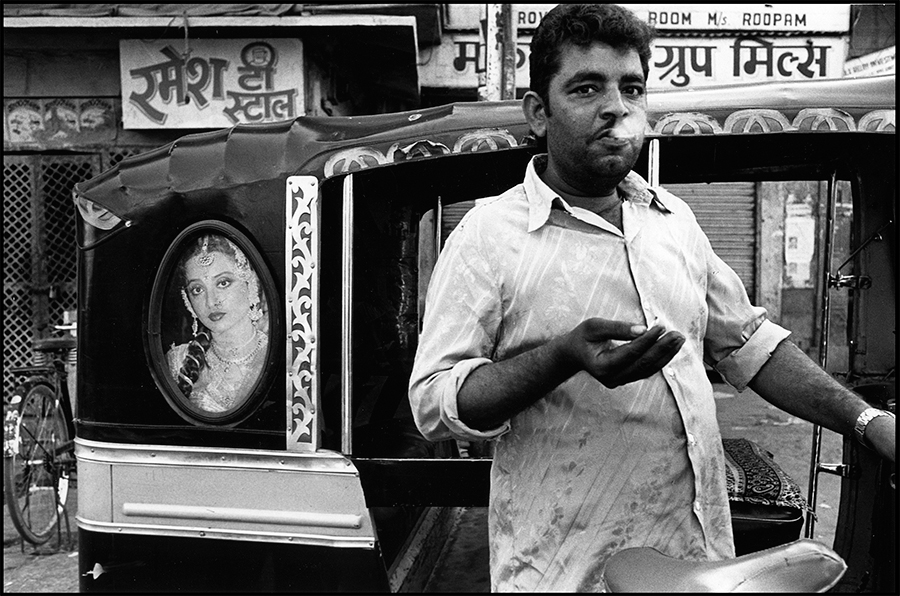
[{"x": 398, "y": 165}]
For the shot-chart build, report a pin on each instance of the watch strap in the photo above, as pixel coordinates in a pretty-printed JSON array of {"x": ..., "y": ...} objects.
[{"x": 863, "y": 421}]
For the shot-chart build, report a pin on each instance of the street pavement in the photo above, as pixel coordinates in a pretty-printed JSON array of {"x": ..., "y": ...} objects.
[
  {"x": 464, "y": 563},
  {"x": 51, "y": 567}
]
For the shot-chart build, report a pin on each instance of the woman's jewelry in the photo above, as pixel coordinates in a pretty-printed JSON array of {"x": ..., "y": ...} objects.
[
  {"x": 205, "y": 258},
  {"x": 190, "y": 309},
  {"x": 235, "y": 360},
  {"x": 233, "y": 352}
]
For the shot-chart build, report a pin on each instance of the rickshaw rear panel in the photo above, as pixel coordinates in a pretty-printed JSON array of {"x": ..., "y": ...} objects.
[{"x": 369, "y": 229}]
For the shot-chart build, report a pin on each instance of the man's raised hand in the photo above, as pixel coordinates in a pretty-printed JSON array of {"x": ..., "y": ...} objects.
[{"x": 614, "y": 365}]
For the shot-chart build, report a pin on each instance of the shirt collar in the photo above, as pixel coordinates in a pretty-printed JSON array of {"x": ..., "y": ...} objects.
[{"x": 541, "y": 197}]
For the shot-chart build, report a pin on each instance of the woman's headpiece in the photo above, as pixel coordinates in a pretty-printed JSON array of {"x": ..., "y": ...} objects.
[{"x": 205, "y": 258}]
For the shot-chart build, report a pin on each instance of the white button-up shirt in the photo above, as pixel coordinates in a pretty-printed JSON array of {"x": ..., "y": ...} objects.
[{"x": 586, "y": 470}]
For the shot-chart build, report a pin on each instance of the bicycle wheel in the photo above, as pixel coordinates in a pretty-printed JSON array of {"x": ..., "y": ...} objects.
[{"x": 36, "y": 484}]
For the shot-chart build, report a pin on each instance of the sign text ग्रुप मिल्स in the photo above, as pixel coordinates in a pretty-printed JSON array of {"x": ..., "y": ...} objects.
[
  {"x": 219, "y": 83},
  {"x": 675, "y": 62}
]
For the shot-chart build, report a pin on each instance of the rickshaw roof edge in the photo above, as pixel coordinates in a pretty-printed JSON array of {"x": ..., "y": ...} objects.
[{"x": 324, "y": 147}]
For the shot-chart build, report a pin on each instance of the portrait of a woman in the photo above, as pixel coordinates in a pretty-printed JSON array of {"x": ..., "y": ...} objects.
[{"x": 220, "y": 364}]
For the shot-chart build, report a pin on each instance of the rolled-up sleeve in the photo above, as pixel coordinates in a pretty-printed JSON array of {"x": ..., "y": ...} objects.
[
  {"x": 462, "y": 317},
  {"x": 434, "y": 404},
  {"x": 739, "y": 337}
]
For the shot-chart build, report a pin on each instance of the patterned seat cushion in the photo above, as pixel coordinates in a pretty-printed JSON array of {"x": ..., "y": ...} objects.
[{"x": 752, "y": 476}]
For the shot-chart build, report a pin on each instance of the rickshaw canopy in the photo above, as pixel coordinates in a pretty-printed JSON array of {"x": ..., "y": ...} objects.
[{"x": 324, "y": 147}]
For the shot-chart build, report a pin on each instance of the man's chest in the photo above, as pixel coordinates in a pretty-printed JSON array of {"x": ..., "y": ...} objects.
[{"x": 558, "y": 277}]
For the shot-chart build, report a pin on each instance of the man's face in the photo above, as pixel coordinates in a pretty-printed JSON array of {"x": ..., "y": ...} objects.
[{"x": 596, "y": 117}]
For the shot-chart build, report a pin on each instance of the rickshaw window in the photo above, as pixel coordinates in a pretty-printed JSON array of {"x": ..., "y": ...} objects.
[{"x": 210, "y": 324}]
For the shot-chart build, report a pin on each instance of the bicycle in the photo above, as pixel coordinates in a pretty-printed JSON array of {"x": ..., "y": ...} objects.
[{"x": 38, "y": 442}]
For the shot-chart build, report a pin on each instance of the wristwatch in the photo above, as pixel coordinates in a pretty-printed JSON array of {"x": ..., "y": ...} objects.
[{"x": 863, "y": 421}]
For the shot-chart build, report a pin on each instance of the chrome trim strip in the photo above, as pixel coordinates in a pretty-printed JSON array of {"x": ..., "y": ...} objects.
[
  {"x": 259, "y": 516},
  {"x": 238, "y": 494},
  {"x": 301, "y": 306},
  {"x": 198, "y": 532},
  {"x": 825, "y": 311},
  {"x": 653, "y": 163},
  {"x": 347, "y": 318},
  {"x": 320, "y": 462}
]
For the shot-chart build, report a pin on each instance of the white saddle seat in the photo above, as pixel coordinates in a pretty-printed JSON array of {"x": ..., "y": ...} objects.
[{"x": 800, "y": 566}]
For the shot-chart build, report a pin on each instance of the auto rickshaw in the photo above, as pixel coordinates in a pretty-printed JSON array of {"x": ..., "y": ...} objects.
[{"x": 315, "y": 478}]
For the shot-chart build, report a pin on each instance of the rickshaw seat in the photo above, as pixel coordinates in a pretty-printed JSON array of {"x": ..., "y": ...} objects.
[
  {"x": 54, "y": 344},
  {"x": 800, "y": 566},
  {"x": 766, "y": 503}
]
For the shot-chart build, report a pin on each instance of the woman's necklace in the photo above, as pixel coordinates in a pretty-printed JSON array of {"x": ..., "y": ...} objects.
[{"x": 233, "y": 351}]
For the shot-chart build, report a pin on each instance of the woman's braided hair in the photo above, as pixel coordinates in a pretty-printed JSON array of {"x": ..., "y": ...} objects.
[
  {"x": 195, "y": 357},
  {"x": 194, "y": 361}
]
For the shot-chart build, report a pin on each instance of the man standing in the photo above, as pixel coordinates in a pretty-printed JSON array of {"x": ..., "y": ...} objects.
[{"x": 569, "y": 319}]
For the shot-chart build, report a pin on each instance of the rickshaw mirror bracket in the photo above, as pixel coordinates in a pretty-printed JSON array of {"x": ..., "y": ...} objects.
[
  {"x": 842, "y": 470},
  {"x": 854, "y": 282}
]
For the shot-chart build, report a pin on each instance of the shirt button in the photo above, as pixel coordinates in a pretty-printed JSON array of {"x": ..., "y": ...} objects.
[
  {"x": 691, "y": 440},
  {"x": 697, "y": 506},
  {"x": 671, "y": 372}
]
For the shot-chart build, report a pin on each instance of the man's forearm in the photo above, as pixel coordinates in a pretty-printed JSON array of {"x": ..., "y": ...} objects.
[
  {"x": 495, "y": 392},
  {"x": 791, "y": 381}
]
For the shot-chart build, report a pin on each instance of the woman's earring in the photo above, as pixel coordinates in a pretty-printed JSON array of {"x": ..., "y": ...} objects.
[
  {"x": 187, "y": 304},
  {"x": 255, "y": 310}
]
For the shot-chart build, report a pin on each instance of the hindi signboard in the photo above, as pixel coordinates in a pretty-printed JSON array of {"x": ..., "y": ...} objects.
[
  {"x": 216, "y": 84},
  {"x": 676, "y": 63}
]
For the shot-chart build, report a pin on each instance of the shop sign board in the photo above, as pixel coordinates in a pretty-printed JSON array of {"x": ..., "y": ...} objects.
[
  {"x": 217, "y": 83},
  {"x": 759, "y": 18},
  {"x": 676, "y": 63}
]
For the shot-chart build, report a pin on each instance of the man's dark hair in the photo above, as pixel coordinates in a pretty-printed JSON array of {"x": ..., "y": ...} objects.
[{"x": 582, "y": 25}]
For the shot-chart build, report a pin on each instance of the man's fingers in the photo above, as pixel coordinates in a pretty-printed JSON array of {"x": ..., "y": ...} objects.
[
  {"x": 652, "y": 361},
  {"x": 597, "y": 329},
  {"x": 642, "y": 357},
  {"x": 627, "y": 353}
]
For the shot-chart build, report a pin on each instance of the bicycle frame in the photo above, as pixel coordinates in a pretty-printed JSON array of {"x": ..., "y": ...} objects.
[{"x": 54, "y": 375}]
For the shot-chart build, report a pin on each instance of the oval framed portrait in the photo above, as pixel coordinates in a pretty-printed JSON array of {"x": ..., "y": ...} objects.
[{"x": 210, "y": 325}]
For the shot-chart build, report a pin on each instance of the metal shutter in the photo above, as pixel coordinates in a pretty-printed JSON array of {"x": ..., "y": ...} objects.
[
  {"x": 451, "y": 215},
  {"x": 727, "y": 213}
]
